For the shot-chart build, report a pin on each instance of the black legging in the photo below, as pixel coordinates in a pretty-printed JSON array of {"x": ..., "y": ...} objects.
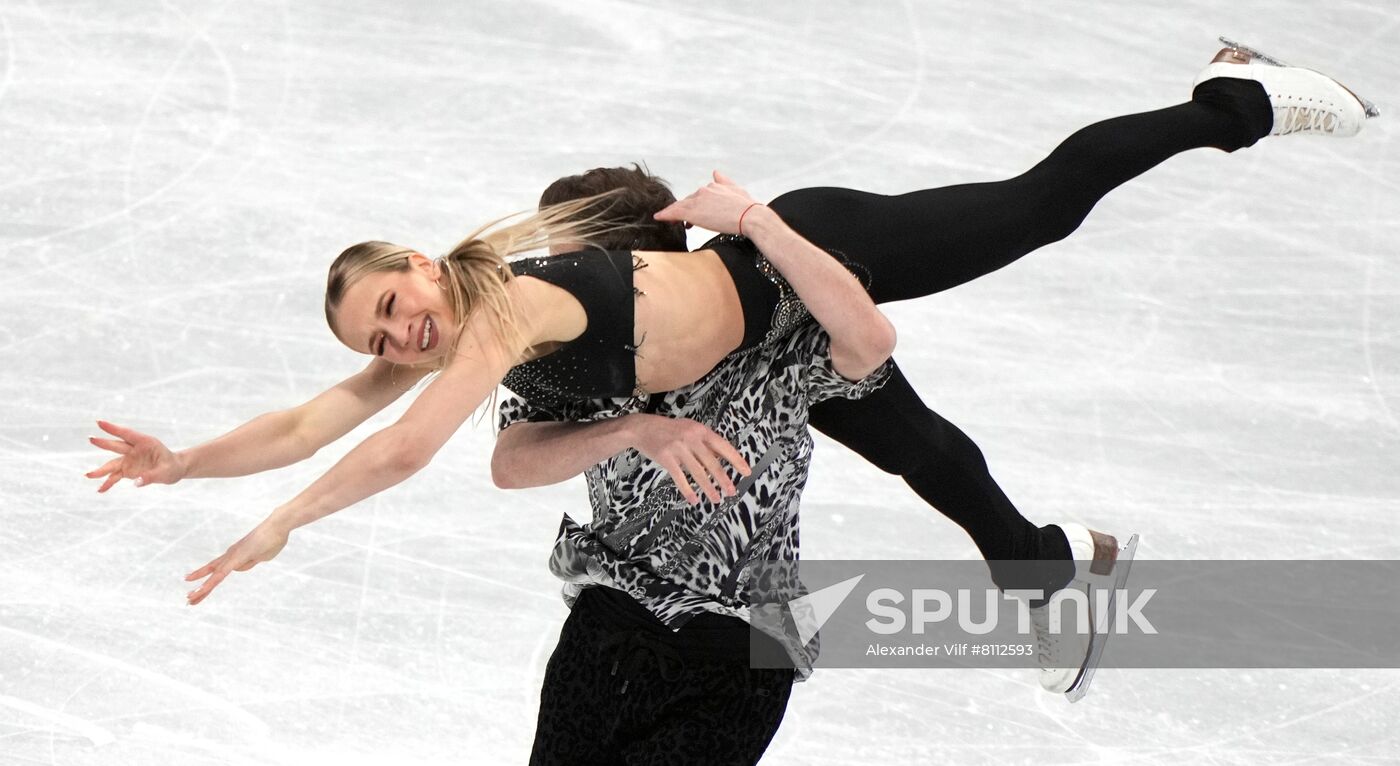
[{"x": 927, "y": 241}]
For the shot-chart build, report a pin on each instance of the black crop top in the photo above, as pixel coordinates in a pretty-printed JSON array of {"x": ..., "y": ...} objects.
[
  {"x": 602, "y": 361},
  {"x": 598, "y": 363}
]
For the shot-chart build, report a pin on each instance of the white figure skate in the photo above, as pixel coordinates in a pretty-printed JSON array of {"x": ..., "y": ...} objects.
[
  {"x": 1068, "y": 658},
  {"x": 1304, "y": 101}
]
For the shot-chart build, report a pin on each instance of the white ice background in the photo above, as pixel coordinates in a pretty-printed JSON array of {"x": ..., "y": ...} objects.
[{"x": 1211, "y": 361}]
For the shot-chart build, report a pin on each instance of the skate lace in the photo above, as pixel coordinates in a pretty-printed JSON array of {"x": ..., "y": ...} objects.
[
  {"x": 1045, "y": 641},
  {"x": 1296, "y": 119}
]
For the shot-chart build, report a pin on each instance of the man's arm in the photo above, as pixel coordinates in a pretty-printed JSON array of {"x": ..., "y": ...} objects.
[
  {"x": 532, "y": 454},
  {"x": 862, "y": 338},
  {"x": 536, "y": 454}
]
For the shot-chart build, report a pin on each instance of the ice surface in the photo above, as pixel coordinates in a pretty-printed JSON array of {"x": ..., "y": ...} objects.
[{"x": 1210, "y": 361}]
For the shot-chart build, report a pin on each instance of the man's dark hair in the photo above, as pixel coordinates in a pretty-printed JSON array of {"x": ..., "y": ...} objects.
[{"x": 639, "y": 195}]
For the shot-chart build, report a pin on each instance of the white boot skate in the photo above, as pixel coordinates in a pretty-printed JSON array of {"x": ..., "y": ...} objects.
[
  {"x": 1063, "y": 651},
  {"x": 1304, "y": 101},
  {"x": 1067, "y": 656}
]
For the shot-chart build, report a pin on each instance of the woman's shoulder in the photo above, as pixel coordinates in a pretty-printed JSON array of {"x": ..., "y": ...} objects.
[{"x": 553, "y": 313}]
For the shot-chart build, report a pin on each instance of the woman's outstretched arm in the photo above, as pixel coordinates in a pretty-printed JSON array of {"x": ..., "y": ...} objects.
[
  {"x": 282, "y": 438},
  {"x": 382, "y": 460},
  {"x": 268, "y": 441},
  {"x": 862, "y": 338}
]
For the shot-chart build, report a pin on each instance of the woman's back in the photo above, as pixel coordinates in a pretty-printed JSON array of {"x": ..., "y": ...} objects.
[{"x": 654, "y": 321}]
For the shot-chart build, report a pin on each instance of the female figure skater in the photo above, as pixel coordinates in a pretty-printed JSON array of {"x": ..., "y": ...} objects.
[{"x": 573, "y": 329}]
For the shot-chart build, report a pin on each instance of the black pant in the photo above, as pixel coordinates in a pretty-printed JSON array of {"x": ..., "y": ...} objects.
[
  {"x": 622, "y": 688},
  {"x": 927, "y": 241}
]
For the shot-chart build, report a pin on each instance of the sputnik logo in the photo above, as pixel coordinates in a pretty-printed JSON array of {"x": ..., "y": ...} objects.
[{"x": 810, "y": 612}]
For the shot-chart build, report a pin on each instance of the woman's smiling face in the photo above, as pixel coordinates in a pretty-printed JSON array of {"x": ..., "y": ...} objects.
[{"x": 401, "y": 316}]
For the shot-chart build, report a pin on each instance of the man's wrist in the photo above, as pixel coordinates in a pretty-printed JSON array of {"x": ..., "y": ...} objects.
[
  {"x": 761, "y": 221},
  {"x": 630, "y": 427}
]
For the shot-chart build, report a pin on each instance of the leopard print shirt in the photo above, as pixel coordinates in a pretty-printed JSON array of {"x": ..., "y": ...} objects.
[{"x": 680, "y": 560}]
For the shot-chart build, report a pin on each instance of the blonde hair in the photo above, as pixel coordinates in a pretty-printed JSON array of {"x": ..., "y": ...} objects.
[{"x": 476, "y": 268}]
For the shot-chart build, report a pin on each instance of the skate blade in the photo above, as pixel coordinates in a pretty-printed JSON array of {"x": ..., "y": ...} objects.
[
  {"x": 1097, "y": 641},
  {"x": 1366, "y": 104},
  {"x": 1253, "y": 53}
]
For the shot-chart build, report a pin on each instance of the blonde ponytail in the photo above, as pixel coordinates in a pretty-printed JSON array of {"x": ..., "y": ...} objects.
[{"x": 477, "y": 269}]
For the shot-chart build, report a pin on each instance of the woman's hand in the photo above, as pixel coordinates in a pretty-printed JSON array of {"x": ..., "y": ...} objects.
[
  {"x": 262, "y": 544},
  {"x": 142, "y": 457},
  {"x": 715, "y": 206}
]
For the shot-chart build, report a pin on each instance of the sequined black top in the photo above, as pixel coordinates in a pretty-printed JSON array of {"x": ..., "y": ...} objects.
[{"x": 601, "y": 363}]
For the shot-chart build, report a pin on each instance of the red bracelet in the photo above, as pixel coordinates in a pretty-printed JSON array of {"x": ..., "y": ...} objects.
[{"x": 741, "y": 217}]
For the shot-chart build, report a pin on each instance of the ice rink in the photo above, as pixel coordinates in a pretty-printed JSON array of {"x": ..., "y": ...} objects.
[{"x": 1212, "y": 360}]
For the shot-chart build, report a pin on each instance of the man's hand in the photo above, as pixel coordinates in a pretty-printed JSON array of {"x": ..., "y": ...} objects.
[
  {"x": 718, "y": 206},
  {"x": 690, "y": 452}
]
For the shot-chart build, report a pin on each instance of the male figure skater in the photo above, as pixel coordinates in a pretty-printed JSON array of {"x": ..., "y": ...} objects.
[{"x": 653, "y": 662}]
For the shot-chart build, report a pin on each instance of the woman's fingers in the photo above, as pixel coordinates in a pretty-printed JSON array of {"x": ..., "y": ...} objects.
[
  {"x": 262, "y": 544},
  {"x": 216, "y": 571},
  {"x": 111, "y": 444},
  {"x": 203, "y": 571},
  {"x": 113, "y": 479},
  {"x": 107, "y": 467},
  {"x": 122, "y": 467},
  {"x": 721, "y": 178},
  {"x": 199, "y": 594},
  {"x": 116, "y": 430}
]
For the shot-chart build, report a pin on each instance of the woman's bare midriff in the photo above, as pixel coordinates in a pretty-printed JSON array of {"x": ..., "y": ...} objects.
[{"x": 688, "y": 319}]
